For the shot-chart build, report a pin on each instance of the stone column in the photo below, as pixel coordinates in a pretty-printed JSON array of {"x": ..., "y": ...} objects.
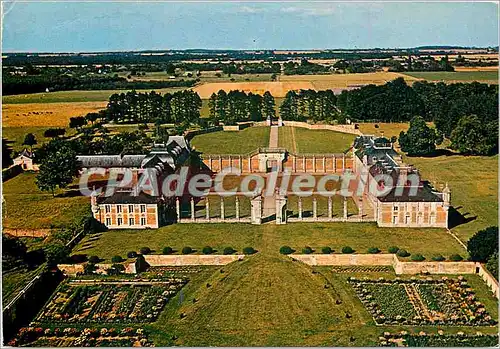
[
  {"x": 222, "y": 208},
  {"x": 237, "y": 204},
  {"x": 256, "y": 210},
  {"x": 334, "y": 164},
  {"x": 239, "y": 163},
  {"x": 281, "y": 209},
  {"x": 343, "y": 162},
  {"x": 192, "y": 209},
  {"x": 210, "y": 162},
  {"x": 220, "y": 163},
  {"x": 207, "y": 208},
  {"x": 315, "y": 208},
  {"x": 178, "y": 209},
  {"x": 324, "y": 164},
  {"x": 304, "y": 164},
  {"x": 294, "y": 164},
  {"x": 230, "y": 161},
  {"x": 345, "y": 207},
  {"x": 330, "y": 207},
  {"x": 249, "y": 164},
  {"x": 300, "y": 207}
]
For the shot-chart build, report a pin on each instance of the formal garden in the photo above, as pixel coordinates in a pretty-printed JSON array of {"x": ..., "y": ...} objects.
[{"x": 418, "y": 302}]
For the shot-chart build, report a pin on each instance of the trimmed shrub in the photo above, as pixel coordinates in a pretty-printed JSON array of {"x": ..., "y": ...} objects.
[
  {"x": 438, "y": 258},
  {"x": 307, "y": 250},
  {"x": 456, "y": 258},
  {"x": 187, "y": 250},
  {"x": 286, "y": 250},
  {"x": 228, "y": 250},
  {"x": 326, "y": 250},
  {"x": 393, "y": 249},
  {"x": 417, "y": 257},
  {"x": 94, "y": 259},
  {"x": 403, "y": 253},
  {"x": 131, "y": 254},
  {"x": 207, "y": 250},
  {"x": 116, "y": 259},
  {"x": 249, "y": 250},
  {"x": 167, "y": 250},
  {"x": 373, "y": 250},
  {"x": 145, "y": 250},
  {"x": 347, "y": 249}
]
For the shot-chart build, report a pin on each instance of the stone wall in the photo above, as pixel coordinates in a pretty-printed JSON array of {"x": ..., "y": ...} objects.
[
  {"x": 345, "y": 259},
  {"x": 339, "y": 128},
  {"x": 38, "y": 233},
  {"x": 434, "y": 267},
  {"x": 489, "y": 280},
  {"x": 70, "y": 269},
  {"x": 180, "y": 260}
]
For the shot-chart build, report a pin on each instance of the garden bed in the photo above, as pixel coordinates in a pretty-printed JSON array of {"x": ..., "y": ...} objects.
[
  {"x": 419, "y": 302},
  {"x": 423, "y": 339},
  {"x": 109, "y": 302}
]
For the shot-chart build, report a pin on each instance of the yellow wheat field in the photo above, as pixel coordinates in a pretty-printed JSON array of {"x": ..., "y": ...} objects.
[
  {"x": 277, "y": 89},
  {"x": 45, "y": 114}
]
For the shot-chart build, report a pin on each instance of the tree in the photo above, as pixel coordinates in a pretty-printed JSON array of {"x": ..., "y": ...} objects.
[
  {"x": 77, "y": 122},
  {"x": 483, "y": 244},
  {"x": 268, "y": 105},
  {"x": 57, "y": 168},
  {"x": 420, "y": 138},
  {"x": 54, "y": 132},
  {"x": 30, "y": 140},
  {"x": 473, "y": 136},
  {"x": 6, "y": 154},
  {"x": 56, "y": 253},
  {"x": 492, "y": 264},
  {"x": 13, "y": 251}
]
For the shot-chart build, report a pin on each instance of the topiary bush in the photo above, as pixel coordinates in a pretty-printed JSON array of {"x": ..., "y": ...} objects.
[
  {"x": 94, "y": 259},
  {"x": 347, "y": 249},
  {"x": 393, "y": 249},
  {"x": 373, "y": 250},
  {"x": 403, "y": 253},
  {"x": 207, "y": 250},
  {"x": 286, "y": 250},
  {"x": 307, "y": 250},
  {"x": 228, "y": 250},
  {"x": 326, "y": 250},
  {"x": 187, "y": 250},
  {"x": 145, "y": 250},
  {"x": 417, "y": 257},
  {"x": 248, "y": 250},
  {"x": 456, "y": 258},
  {"x": 438, "y": 258},
  {"x": 131, "y": 254},
  {"x": 116, "y": 259},
  {"x": 167, "y": 250}
]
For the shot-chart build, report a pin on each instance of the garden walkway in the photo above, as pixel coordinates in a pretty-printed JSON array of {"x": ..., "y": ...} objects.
[{"x": 273, "y": 137}]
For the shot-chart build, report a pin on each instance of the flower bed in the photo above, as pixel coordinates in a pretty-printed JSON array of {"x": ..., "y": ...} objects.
[
  {"x": 362, "y": 269},
  {"x": 422, "y": 302},
  {"x": 104, "y": 302},
  {"x": 73, "y": 337},
  {"x": 423, "y": 339}
]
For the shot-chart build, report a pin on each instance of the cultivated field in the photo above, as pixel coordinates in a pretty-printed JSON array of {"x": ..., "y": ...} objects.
[
  {"x": 343, "y": 81},
  {"x": 45, "y": 114},
  {"x": 232, "y": 142},
  {"x": 304, "y": 141},
  {"x": 490, "y": 77},
  {"x": 277, "y": 89}
]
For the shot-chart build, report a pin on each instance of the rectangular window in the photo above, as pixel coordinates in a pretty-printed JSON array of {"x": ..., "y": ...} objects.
[
  {"x": 130, "y": 221},
  {"x": 130, "y": 208},
  {"x": 108, "y": 221},
  {"x": 396, "y": 208},
  {"x": 395, "y": 220},
  {"x": 107, "y": 208},
  {"x": 143, "y": 221},
  {"x": 120, "y": 221},
  {"x": 119, "y": 208},
  {"x": 407, "y": 219},
  {"x": 143, "y": 208}
]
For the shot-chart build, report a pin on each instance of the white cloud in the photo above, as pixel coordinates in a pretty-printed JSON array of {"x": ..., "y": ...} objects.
[
  {"x": 248, "y": 9},
  {"x": 317, "y": 10}
]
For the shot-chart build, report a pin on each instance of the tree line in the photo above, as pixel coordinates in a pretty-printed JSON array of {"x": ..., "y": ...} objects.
[
  {"x": 235, "y": 106},
  {"x": 310, "y": 105},
  {"x": 20, "y": 84}
]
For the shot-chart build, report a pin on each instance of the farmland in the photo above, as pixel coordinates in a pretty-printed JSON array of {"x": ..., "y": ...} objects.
[{"x": 490, "y": 77}]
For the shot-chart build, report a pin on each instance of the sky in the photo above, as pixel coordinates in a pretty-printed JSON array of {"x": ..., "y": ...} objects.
[{"x": 112, "y": 26}]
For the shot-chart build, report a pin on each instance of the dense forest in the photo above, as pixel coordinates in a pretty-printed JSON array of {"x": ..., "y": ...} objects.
[{"x": 311, "y": 105}]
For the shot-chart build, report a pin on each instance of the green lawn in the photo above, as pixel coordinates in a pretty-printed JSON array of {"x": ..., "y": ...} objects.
[
  {"x": 473, "y": 181},
  {"x": 26, "y": 207},
  {"x": 16, "y": 135},
  {"x": 232, "y": 142},
  {"x": 481, "y": 76},
  {"x": 268, "y": 238},
  {"x": 305, "y": 141}
]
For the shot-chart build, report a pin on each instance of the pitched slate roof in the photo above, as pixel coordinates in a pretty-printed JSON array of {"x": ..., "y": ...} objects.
[{"x": 124, "y": 197}]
